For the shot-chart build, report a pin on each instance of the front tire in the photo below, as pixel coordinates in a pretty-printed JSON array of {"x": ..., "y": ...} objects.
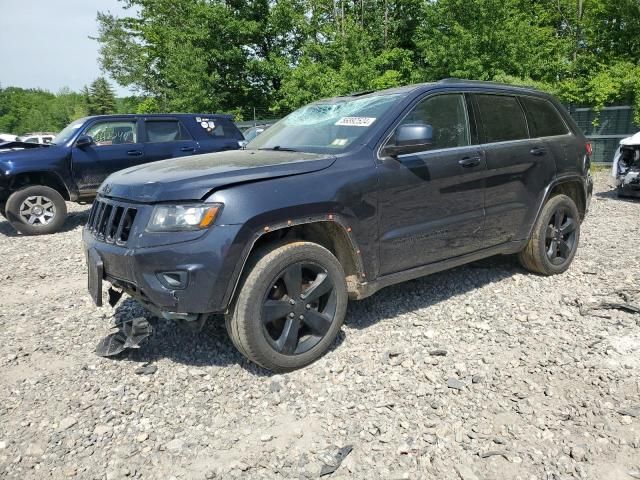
[
  {"x": 554, "y": 241},
  {"x": 290, "y": 306},
  {"x": 36, "y": 210}
]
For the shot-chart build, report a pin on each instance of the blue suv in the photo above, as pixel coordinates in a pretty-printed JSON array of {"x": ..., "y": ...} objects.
[{"x": 36, "y": 180}]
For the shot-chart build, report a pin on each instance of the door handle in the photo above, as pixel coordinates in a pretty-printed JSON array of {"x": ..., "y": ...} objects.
[
  {"x": 538, "y": 151},
  {"x": 134, "y": 153},
  {"x": 469, "y": 162},
  {"x": 188, "y": 149}
]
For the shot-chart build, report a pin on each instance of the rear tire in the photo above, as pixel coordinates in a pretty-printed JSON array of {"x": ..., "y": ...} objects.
[
  {"x": 36, "y": 210},
  {"x": 555, "y": 237},
  {"x": 290, "y": 306}
]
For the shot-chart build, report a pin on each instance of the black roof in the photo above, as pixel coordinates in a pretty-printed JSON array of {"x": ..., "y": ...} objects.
[
  {"x": 479, "y": 83},
  {"x": 454, "y": 82}
]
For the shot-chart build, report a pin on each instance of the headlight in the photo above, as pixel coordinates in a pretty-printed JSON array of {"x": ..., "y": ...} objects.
[{"x": 177, "y": 218}]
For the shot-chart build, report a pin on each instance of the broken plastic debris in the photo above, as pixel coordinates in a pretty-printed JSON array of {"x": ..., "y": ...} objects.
[
  {"x": 130, "y": 335},
  {"x": 630, "y": 412},
  {"x": 146, "y": 369},
  {"x": 332, "y": 462},
  {"x": 503, "y": 453}
]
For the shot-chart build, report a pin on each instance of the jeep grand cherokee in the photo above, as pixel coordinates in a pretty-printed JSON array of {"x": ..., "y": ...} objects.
[{"x": 339, "y": 199}]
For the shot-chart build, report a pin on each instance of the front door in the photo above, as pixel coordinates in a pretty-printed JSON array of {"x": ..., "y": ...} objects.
[
  {"x": 116, "y": 147},
  {"x": 431, "y": 203}
]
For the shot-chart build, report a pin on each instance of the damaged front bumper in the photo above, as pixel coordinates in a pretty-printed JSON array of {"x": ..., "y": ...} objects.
[
  {"x": 629, "y": 184},
  {"x": 176, "y": 281},
  {"x": 626, "y": 167}
]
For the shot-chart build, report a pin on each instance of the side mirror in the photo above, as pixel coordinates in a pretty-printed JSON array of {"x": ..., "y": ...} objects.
[
  {"x": 409, "y": 138},
  {"x": 84, "y": 141}
]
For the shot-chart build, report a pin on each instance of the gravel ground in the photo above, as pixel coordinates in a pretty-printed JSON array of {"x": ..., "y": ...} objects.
[{"x": 482, "y": 372}]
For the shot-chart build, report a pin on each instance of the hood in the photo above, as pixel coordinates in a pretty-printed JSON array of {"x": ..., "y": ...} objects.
[
  {"x": 192, "y": 178},
  {"x": 631, "y": 141},
  {"x": 33, "y": 153},
  {"x": 21, "y": 145}
]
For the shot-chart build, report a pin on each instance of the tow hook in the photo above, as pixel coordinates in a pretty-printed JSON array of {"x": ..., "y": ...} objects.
[{"x": 114, "y": 296}]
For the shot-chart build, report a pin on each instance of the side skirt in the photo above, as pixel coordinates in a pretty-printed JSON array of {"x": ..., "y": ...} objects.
[{"x": 364, "y": 290}]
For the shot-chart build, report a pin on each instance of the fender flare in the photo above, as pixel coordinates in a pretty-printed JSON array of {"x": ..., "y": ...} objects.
[
  {"x": 571, "y": 178},
  {"x": 282, "y": 225},
  {"x": 70, "y": 192}
]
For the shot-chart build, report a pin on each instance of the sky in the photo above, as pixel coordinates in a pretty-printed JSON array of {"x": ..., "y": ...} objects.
[{"x": 45, "y": 43}]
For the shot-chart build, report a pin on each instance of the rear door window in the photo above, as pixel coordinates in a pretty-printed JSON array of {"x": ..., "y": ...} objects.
[
  {"x": 165, "y": 131},
  {"x": 502, "y": 118},
  {"x": 544, "y": 119}
]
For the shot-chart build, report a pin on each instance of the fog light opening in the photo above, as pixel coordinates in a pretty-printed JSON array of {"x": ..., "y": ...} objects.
[{"x": 173, "y": 280}]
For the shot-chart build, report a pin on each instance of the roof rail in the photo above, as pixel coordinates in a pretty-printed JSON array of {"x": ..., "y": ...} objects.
[{"x": 359, "y": 94}]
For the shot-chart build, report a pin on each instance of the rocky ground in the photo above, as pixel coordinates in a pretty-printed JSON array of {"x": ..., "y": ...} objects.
[{"x": 483, "y": 372}]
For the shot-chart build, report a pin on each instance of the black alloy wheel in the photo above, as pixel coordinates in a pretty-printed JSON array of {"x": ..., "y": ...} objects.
[
  {"x": 299, "y": 308},
  {"x": 554, "y": 238},
  {"x": 290, "y": 305},
  {"x": 560, "y": 236}
]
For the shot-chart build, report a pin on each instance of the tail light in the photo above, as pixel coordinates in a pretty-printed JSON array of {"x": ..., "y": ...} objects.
[{"x": 589, "y": 148}]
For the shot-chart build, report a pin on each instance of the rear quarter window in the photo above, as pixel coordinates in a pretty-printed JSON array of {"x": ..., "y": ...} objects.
[
  {"x": 502, "y": 118},
  {"x": 219, "y": 127},
  {"x": 544, "y": 119}
]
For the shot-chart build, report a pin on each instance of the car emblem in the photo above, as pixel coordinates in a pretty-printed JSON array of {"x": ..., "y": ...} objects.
[{"x": 106, "y": 188}]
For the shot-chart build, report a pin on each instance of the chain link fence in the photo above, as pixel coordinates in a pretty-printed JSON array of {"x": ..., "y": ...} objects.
[{"x": 614, "y": 124}]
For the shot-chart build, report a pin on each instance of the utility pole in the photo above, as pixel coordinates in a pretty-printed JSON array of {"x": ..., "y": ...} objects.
[
  {"x": 579, "y": 15},
  {"x": 386, "y": 18}
]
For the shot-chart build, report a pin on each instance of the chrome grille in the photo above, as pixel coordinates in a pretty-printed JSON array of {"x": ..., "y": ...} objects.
[{"x": 111, "y": 222}]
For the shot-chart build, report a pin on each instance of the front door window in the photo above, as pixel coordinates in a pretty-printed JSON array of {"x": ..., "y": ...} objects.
[
  {"x": 447, "y": 116},
  {"x": 113, "y": 133}
]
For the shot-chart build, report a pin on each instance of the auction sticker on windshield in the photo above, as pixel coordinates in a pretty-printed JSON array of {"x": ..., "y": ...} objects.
[{"x": 355, "y": 121}]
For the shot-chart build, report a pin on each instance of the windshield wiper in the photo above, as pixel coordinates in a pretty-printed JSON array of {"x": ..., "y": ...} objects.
[{"x": 278, "y": 148}]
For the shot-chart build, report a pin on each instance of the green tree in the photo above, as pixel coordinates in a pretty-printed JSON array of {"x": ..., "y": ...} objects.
[
  {"x": 100, "y": 99},
  {"x": 237, "y": 55}
]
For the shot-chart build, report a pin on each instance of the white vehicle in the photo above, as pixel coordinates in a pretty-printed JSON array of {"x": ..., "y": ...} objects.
[
  {"x": 626, "y": 167},
  {"x": 37, "y": 137},
  {"x": 7, "y": 137}
]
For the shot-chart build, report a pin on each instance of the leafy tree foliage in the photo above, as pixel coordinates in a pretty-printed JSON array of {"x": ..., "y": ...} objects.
[
  {"x": 33, "y": 110},
  {"x": 237, "y": 55},
  {"x": 271, "y": 56}
]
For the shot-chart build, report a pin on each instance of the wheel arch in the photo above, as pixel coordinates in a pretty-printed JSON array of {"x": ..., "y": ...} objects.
[
  {"x": 330, "y": 231},
  {"x": 574, "y": 189},
  {"x": 572, "y": 186},
  {"x": 44, "y": 178}
]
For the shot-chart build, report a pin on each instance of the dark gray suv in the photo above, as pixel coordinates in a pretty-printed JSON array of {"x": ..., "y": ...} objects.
[{"x": 339, "y": 199}]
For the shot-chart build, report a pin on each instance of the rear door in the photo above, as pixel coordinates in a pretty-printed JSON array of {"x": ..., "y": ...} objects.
[
  {"x": 431, "y": 203},
  {"x": 547, "y": 125},
  {"x": 166, "y": 138},
  {"x": 518, "y": 167},
  {"x": 116, "y": 146}
]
